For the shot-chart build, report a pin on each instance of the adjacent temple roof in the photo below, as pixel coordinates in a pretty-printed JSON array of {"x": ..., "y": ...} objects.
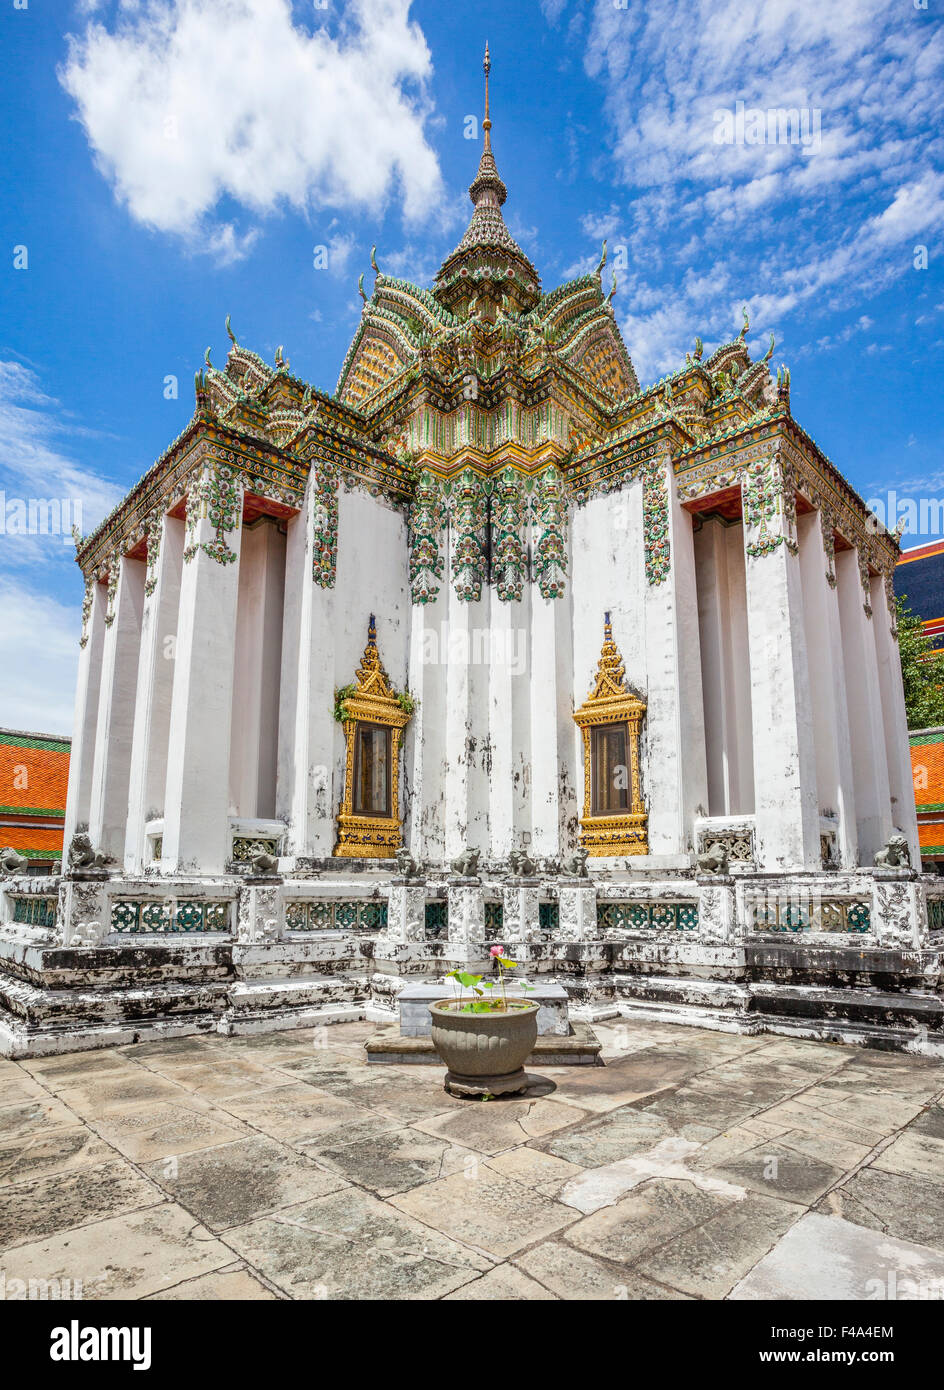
[{"x": 35, "y": 773}]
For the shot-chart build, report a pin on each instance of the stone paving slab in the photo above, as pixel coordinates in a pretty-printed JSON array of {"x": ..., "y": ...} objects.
[
  {"x": 126, "y": 1256},
  {"x": 826, "y": 1257},
  {"x": 353, "y": 1246},
  {"x": 233, "y": 1183},
  {"x": 692, "y": 1165},
  {"x": 58, "y": 1202},
  {"x": 908, "y": 1206}
]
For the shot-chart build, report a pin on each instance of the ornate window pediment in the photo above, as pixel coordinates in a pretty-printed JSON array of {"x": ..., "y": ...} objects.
[
  {"x": 614, "y": 819},
  {"x": 374, "y": 717}
]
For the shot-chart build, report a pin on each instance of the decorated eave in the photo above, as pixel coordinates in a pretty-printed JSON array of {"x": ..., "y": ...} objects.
[{"x": 267, "y": 424}]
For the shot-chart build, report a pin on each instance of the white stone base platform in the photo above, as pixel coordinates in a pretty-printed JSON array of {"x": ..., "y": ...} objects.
[{"x": 93, "y": 958}]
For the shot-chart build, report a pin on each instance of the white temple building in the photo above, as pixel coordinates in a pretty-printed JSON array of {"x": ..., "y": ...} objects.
[{"x": 491, "y": 644}]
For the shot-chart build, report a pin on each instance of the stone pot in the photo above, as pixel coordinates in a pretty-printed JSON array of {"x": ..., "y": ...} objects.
[{"x": 484, "y": 1053}]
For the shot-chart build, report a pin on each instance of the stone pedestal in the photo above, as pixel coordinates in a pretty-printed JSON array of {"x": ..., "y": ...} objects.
[
  {"x": 261, "y": 911},
  {"x": 83, "y": 910},
  {"x": 715, "y": 907},
  {"x": 577, "y": 910},
  {"x": 406, "y": 911},
  {"x": 899, "y": 909},
  {"x": 466, "y": 911},
  {"x": 520, "y": 915}
]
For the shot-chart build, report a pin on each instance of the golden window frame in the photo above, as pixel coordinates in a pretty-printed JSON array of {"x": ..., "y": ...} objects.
[
  {"x": 373, "y": 701},
  {"x": 611, "y": 702}
]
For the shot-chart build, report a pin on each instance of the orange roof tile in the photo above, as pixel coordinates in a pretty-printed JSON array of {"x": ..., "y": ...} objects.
[
  {"x": 32, "y": 840},
  {"x": 34, "y": 773}
]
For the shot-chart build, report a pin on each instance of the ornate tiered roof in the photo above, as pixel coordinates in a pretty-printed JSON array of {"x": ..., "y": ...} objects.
[{"x": 480, "y": 374}]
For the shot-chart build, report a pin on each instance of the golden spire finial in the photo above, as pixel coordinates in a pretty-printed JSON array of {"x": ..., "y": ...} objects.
[{"x": 487, "y": 123}]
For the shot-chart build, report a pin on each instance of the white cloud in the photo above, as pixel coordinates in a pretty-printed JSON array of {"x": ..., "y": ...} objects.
[
  {"x": 39, "y": 641},
  {"x": 188, "y": 102},
  {"x": 414, "y": 263}
]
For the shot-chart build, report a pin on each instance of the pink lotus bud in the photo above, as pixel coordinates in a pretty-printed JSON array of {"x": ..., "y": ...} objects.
[{"x": 497, "y": 951}]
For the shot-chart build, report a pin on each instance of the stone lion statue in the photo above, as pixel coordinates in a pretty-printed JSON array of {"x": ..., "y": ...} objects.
[
  {"x": 522, "y": 865},
  {"x": 896, "y": 854},
  {"x": 83, "y": 856},
  {"x": 264, "y": 863},
  {"x": 466, "y": 864},
  {"x": 713, "y": 860},
  {"x": 11, "y": 862},
  {"x": 576, "y": 864}
]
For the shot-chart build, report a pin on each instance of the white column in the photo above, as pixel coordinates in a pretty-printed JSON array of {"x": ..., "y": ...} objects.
[
  {"x": 307, "y": 729},
  {"x": 154, "y": 690},
  {"x": 505, "y": 624},
  {"x": 254, "y": 748},
  {"x": 866, "y": 731},
  {"x": 85, "y": 724},
  {"x": 120, "y": 652},
  {"x": 467, "y": 728},
  {"x": 196, "y": 804},
  {"x": 556, "y": 784},
  {"x": 458, "y": 724},
  {"x": 834, "y": 763},
  {"x": 895, "y": 721},
  {"x": 426, "y": 733},
  {"x": 722, "y": 625},
  {"x": 785, "y": 802},
  {"x": 675, "y": 719}
]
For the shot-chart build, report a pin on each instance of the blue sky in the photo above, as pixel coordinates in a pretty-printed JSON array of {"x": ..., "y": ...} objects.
[{"x": 169, "y": 162}]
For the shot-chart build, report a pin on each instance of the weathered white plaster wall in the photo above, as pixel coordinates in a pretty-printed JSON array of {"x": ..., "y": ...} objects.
[
  {"x": 324, "y": 633},
  {"x": 372, "y": 577},
  {"x": 85, "y": 724},
  {"x": 607, "y": 575},
  {"x": 108, "y": 813}
]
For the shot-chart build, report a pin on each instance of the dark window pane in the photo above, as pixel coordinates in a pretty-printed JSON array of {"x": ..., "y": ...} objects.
[
  {"x": 609, "y": 771},
  {"x": 371, "y": 770}
]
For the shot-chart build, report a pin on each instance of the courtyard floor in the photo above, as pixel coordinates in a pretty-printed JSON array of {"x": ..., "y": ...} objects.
[{"x": 694, "y": 1165}]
